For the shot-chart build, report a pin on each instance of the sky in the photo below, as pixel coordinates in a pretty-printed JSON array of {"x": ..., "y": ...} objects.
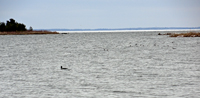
[{"x": 94, "y": 14}]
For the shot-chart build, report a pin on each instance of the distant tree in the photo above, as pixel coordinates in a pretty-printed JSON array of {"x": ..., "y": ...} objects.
[
  {"x": 2, "y": 26},
  {"x": 12, "y": 25},
  {"x": 21, "y": 27},
  {"x": 30, "y": 29},
  {"x": 12, "y": 21}
]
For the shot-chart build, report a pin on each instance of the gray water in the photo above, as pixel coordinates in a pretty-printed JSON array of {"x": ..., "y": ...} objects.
[{"x": 101, "y": 65}]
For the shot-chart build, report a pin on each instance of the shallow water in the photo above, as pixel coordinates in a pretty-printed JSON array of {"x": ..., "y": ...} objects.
[{"x": 101, "y": 65}]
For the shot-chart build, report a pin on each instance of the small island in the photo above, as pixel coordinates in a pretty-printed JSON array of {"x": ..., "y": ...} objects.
[{"x": 14, "y": 28}]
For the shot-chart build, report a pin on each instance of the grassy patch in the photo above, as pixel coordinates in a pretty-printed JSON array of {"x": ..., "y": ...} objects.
[
  {"x": 27, "y": 32},
  {"x": 189, "y": 34}
]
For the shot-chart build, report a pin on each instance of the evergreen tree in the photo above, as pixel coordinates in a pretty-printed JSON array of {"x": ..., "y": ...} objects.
[
  {"x": 12, "y": 25},
  {"x": 30, "y": 29},
  {"x": 2, "y": 26}
]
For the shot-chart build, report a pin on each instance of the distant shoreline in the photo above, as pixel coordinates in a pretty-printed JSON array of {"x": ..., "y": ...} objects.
[
  {"x": 27, "y": 32},
  {"x": 103, "y": 31},
  {"x": 118, "y": 31}
]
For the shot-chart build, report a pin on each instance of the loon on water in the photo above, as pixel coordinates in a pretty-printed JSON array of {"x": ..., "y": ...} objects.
[{"x": 63, "y": 68}]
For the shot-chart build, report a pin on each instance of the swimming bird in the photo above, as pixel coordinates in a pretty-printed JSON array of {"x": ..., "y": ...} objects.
[{"x": 63, "y": 68}]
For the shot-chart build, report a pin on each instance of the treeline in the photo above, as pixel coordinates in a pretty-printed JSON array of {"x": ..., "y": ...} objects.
[{"x": 12, "y": 25}]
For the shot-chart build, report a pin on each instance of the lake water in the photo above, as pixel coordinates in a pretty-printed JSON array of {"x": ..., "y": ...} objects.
[{"x": 101, "y": 65}]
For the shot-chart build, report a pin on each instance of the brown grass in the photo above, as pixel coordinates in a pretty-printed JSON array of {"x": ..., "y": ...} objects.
[
  {"x": 27, "y": 32},
  {"x": 189, "y": 34}
]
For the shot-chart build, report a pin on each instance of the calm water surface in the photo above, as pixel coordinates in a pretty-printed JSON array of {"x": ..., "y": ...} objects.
[{"x": 101, "y": 65}]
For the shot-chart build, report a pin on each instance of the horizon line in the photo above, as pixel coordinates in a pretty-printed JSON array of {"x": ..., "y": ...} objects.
[{"x": 136, "y": 28}]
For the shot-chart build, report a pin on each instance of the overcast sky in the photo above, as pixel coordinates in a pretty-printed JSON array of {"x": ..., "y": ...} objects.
[{"x": 92, "y": 14}]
